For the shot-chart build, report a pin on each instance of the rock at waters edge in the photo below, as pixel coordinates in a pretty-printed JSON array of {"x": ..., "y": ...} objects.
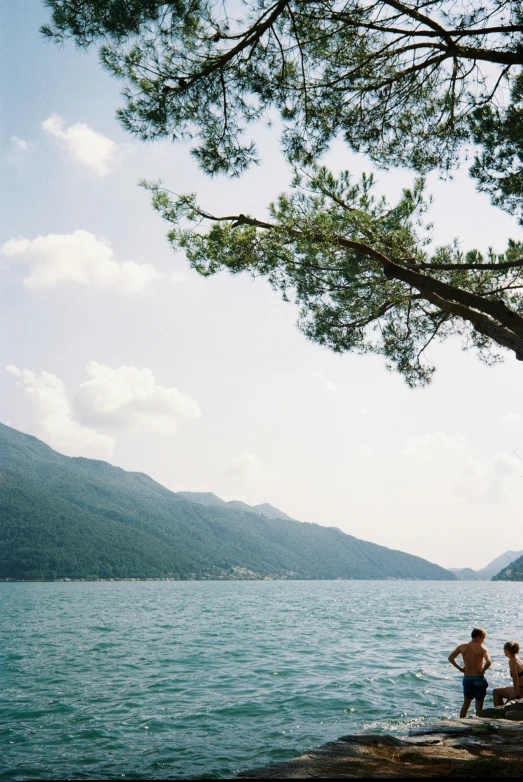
[
  {"x": 451, "y": 748},
  {"x": 511, "y": 711}
]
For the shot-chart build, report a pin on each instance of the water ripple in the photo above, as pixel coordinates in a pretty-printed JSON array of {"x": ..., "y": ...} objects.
[{"x": 201, "y": 679}]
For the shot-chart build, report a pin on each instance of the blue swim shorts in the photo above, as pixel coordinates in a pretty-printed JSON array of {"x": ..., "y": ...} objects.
[{"x": 475, "y": 687}]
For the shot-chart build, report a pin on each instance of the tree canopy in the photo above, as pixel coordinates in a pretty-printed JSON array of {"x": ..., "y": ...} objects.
[
  {"x": 361, "y": 269},
  {"x": 422, "y": 84}
]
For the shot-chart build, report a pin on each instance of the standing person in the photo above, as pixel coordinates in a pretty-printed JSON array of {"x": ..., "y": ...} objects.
[
  {"x": 511, "y": 650},
  {"x": 476, "y": 660}
]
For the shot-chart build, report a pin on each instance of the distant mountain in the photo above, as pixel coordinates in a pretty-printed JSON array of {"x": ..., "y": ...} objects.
[
  {"x": 208, "y": 499},
  {"x": 467, "y": 574},
  {"x": 489, "y": 571},
  {"x": 63, "y": 517}
]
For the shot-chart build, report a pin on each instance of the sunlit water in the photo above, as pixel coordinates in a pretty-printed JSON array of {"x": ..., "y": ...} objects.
[{"x": 203, "y": 679}]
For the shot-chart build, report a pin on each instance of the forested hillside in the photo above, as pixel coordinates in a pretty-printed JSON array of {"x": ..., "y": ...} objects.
[
  {"x": 512, "y": 572},
  {"x": 63, "y": 517}
]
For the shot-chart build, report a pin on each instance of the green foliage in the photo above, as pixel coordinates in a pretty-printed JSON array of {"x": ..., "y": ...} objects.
[
  {"x": 361, "y": 270},
  {"x": 78, "y": 518},
  {"x": 498, "y": 168},
  {"x": 409, "y": 82},
  {"x": 114, "y": 19},
  {"x": 401, "y": 80}
]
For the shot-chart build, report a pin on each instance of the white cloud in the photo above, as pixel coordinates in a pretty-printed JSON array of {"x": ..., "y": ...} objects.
[
  {"x": 79, "y": 257},
  {"x": 364, "y": 452},
  {"x": 54, "y": 417},
  {"x": 515, "y": 417},
  {"x": 89, "y": 148},
  {"x": 485, "y": 481},
  {"x": 434, "y": 444},
  {"x": 363, "y": 411},
  {"x": 459, "y": 471},
  {"x": 330, "y": 387},
  {"x": 505, "y": 464},
  {"x": 129, "y": 399},
  {"x": 19, "y": 142},
  {"x": 249, "y": 467},
  {"x": 125, "y": 400}
]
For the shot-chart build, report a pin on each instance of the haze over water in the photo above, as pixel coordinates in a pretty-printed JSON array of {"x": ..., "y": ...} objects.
[{"x": 203, "y": 679}]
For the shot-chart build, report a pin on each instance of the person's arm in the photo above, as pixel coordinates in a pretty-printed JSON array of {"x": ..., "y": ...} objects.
[
  {"x": 452, "y": 658},
  {"x": 488, "y": 661},
  {"x": 515, "y": 678}
]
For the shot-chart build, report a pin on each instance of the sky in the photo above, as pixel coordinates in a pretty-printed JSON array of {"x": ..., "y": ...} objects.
[{"x": 111, "y": 347}]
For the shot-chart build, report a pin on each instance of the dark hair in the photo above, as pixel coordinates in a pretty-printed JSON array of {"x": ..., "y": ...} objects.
[
  {"x": 512, "y": 646},
  {"x": 478, "y": 631}
]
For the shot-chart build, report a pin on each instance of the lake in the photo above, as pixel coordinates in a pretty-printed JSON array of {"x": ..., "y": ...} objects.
[{"x": 202, "y": 679}]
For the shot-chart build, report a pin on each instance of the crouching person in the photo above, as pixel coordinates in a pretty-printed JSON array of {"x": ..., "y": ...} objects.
[{"x": 502, "y": 694}]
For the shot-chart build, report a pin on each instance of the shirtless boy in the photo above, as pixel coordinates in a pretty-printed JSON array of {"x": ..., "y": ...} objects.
[{"x": 476, "y": 660}]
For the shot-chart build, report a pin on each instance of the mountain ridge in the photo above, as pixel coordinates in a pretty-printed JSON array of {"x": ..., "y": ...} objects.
[
  {"x": 209, "y": 499},
  {"x": 489, "y": 571},
  {"x": 72, "y": 517}
]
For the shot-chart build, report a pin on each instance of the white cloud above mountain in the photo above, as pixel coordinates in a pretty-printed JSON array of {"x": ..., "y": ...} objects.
[
  {"x": 485, "y": 480},
  {"x": 459, "y": 471},
  {"x": 54, "y": 419},
  {"x": 247, "y": 466},
  {"x": 125, "y": 400},
  {"x": 128, "y": 399},
  {"x": 89, "y": 148},
  {"x": 79, "y": 257}
]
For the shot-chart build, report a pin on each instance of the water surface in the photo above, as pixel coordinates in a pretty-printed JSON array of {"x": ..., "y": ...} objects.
[{"x": 202, "y": 679}]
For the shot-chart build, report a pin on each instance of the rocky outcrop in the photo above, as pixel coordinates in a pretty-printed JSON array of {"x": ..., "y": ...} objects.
[
  {"x": 512, "y": 711},
  {"x": 452, "y": 748}
]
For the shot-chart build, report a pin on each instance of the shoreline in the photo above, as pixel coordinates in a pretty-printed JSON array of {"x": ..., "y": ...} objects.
[
  {"x": 233, "y": 577},
  {"x": 473, "y": 747}
]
